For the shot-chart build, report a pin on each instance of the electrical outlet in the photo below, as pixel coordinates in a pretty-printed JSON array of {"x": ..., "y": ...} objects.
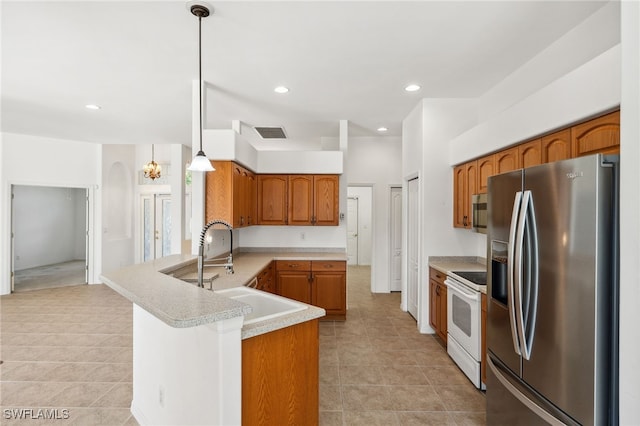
[
  {"x": 161, "y": 395},
  {"x": 302, "y": 236}
]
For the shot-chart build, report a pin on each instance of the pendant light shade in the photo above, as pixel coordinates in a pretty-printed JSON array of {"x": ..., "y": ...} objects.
[{"x": 200, "y": 162}]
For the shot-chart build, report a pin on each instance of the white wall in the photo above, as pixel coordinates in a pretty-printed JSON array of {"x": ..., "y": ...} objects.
[
  {"x": 629, "y": 214},
  {"x": 377, "y": 161},
  {"x": 364, "y": 196},
  {"x": 118, "y": 179},
  {"x": 49, "y": 225},
  {"x": 51, "y": 162}
]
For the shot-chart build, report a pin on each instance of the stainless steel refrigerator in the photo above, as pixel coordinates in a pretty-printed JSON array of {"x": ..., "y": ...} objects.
[{"x": 552, "y": 322}]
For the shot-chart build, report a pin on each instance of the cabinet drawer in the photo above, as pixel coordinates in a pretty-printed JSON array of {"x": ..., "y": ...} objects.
[
  {"x": 434, "y": 274},
  {"x": 293, "y": 265},
  {"x": 332, "y": 265}
]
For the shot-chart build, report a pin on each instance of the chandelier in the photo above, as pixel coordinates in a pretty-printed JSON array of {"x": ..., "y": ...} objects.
[{"x": 152, "y": 169}]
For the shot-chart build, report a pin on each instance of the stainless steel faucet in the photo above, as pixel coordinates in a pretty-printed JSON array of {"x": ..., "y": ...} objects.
[{"x": 227, "y": 261}]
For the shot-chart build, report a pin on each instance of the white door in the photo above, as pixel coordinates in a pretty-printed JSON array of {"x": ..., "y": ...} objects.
[
  {"x": 156, "y": 226},
  {"x": 352, "y": 231},
  {"x": 412, "y": 247},
  {"x": 396, "y": 240}
]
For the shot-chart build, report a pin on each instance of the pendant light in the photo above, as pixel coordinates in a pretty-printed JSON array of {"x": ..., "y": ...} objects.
[
  {"x": 152, "y": 170},
  {"x": 200, "y": 162}
]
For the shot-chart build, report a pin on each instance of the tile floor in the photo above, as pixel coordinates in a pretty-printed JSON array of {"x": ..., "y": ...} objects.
[
  {"x": 70, "y": 348},
  {"x": 376, "y": 369}
]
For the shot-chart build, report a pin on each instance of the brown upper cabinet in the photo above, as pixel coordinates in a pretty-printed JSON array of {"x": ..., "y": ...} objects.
[
  {"x": 600, "y": 135},
  {"x": 465, "y": 179},
  {"x": 485, "y": 169},
  {"x": 313, "y": 200},
  {"x": 272, "y": 199},
  {"x": 230, "y": 194},
  {"x": 556, "y": 146},
  {"x": 530, "y": 153},
  {"x": 506, "y": 160},
  {"x": 298, "y": 199}
]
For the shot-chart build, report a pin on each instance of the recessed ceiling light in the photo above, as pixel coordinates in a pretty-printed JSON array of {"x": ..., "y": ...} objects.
[
  {"x": 281, "y": 89},
  {"x": 92, "y": 106},
  {"x": 382, "y": 129},
  {"x": 412, "y": 88}
]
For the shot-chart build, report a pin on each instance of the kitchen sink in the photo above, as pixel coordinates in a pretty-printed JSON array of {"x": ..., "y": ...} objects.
[{"x": 265, "y": 305}]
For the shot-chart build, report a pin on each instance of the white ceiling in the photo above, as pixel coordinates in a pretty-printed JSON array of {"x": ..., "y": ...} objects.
[{"x": 341, "y": 60}]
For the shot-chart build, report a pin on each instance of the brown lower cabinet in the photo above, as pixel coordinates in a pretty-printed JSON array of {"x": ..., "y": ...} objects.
[
  {"x": 438, "y": 303},
  {"x": 266, "y": 279},
  {"x": 280, "y": 377},
  {"x": 318, "y": 283}
]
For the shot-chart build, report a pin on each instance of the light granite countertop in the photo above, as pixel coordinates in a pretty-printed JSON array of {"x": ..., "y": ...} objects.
[
  {"x": 446, "y": 264},
  {"x": 181, "y": 305}
]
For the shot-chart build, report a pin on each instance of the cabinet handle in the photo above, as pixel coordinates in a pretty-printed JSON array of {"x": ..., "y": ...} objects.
[
  {"x": 464, "y": 220},
  {"x": 293, "y": 265},
  {"x": 328, "y": 265},
  {"x": 438, "y": 276}
]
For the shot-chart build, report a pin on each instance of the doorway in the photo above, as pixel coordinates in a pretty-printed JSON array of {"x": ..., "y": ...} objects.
[
  {"x": 395, "y": 239},
  {"x": 413, "y": 254},
  {"x": 50, "y": 237},
  {"x": 359, "y": 225},
  {"x": 156, "y": 226}
]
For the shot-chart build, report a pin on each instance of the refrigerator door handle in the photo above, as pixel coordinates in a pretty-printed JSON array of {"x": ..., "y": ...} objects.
[
  {"x": 537, "y": 409},
  {"x": 518, "y": 276},
  {"x": 528, "y": 322},
  {"x": 517, "y": 202}
]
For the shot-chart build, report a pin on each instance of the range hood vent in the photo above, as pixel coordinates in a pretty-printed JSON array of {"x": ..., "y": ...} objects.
[{"x": 271, "y": 132}]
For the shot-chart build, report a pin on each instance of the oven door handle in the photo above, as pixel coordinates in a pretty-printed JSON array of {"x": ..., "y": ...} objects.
[{"x": 467, "y": 293}]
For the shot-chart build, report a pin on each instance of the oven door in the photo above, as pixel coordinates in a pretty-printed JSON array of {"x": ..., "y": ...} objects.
[{"x": 463, "y": 316}]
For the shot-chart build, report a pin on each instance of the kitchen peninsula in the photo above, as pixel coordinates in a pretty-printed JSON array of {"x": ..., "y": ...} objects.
[{"x": 191, "y": 346}]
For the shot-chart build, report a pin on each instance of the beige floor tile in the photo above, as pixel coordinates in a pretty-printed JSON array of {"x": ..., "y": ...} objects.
[
  {"x": 425, "y": 418},
  {"x": 371, "y": 418},
  {"x": 462, "y": 398},
  {"x": 331, "y": 418},
  {"x": 111, "y": 372},
  {"x": 360, "y": 375},
  {"x": 77, "y": 394},
  {"x": 120, "y": 395},
  {"x": 328, "y": 356},
  {"x": 415, "y": 398},
  {"x": 98, "y": 416},
  {"x": 389, "y": 358},
  {"x": 329, "y": 374},
  {"x": 403, "y": 375},
  {"x": 388, "y": 343},
  {"x": 445, "y": 375},
  {"x": 435, "y": 357},
  {"x": 368, "y": 398},
  {"x": 26, "y": 394},
  {"x": 330, "y": 398},
  {"x": 469, "y": 419}
]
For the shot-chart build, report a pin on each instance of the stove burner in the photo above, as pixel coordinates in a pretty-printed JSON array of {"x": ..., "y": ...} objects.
[{"x": 479, "y": 278}]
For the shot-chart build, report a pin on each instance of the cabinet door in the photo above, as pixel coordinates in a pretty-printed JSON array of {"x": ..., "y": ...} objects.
[
  {"x": 529, "y": 154},
  {"x": 272, "y": 199},
  {"x": 219, "y": 192},
  {"x": 485, "y": 169},
  {"x": 294, "y": 285},
  {"x": 433, "y": 305},
  {"x": 442, "y": 312},
  {"x": 600, "y": 135},
  {"x": 506, "y": 161},
  {"x": 249, "y": 198},
  {"x": 459, "y": 196},
  {"x": 326, "y": 189},
  {"x": 237, "y": 200},
  {"x": 556, "y": 146},
  {"x": 329, "y": 291},
  {"x": 300, "y": 193}
]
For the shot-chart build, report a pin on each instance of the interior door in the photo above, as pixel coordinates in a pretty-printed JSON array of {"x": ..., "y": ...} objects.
[
  {"x": 395, "y": 267},
  {"x": 412, "y": 247},
  {"x": 156, "y": 226},
  {"x": 352, "y": 231}
]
